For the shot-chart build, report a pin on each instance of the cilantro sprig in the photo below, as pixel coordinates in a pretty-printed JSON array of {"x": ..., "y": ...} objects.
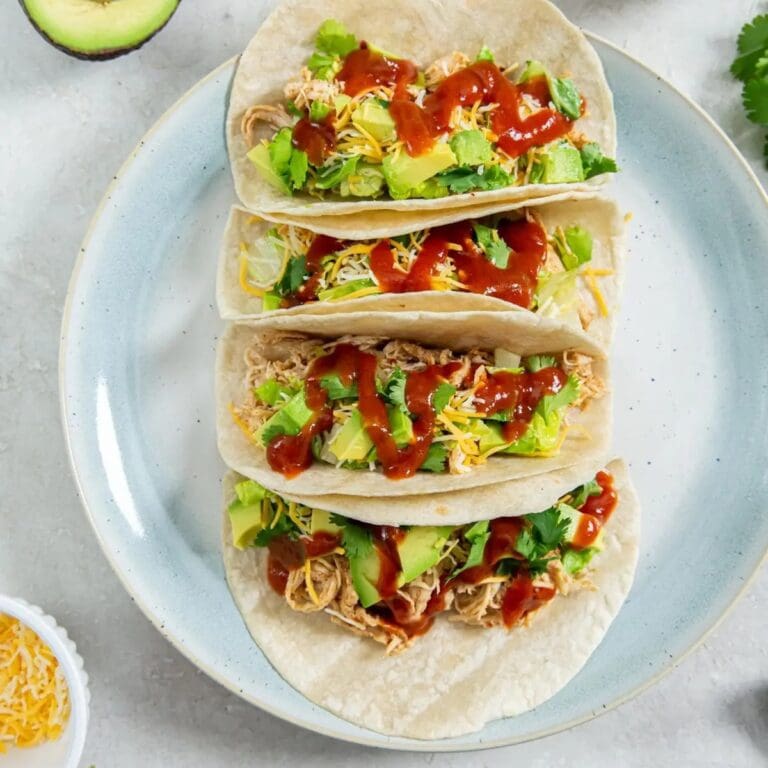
[{"x": 751, "y": 67}]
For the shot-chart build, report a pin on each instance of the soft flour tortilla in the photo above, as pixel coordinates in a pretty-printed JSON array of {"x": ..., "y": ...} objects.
[
  {"x": 514, "y": 331},
  {"x": 421, "y": 30},
  {"x": 456, "y": 678},
  {"x": 601, "y": 217}
]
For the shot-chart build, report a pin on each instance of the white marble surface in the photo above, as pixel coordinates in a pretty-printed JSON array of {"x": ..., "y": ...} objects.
[{"x": 66, "y": 127}]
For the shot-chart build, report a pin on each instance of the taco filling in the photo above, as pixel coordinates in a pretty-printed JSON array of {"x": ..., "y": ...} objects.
[
  {"x": 389, "y": 583},
  {"x": 369, "y": 403},
  {"x": 510, "y": 257},
  {"x": 360, "y": 122}
]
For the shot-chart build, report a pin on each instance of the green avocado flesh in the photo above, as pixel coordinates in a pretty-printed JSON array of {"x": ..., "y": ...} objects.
[{"x": 98, "y": 29}]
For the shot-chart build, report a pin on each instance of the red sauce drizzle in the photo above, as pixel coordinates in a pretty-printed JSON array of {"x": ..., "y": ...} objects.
[
  {"x": 521, "y": 597},
  {"x": 287, "y": 554},
  {"x": 316, "y": 138},
  {"x": 515, "y": 283},
  {"x": 364, "y": 69},
  {"x": 480, "y": 82},
  {"x": 321, "y": 246},
  {"x": 596, "y": 510}
]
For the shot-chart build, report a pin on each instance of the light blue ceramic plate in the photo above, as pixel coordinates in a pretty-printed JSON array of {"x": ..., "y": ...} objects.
[{"x": 691, "y": 390}]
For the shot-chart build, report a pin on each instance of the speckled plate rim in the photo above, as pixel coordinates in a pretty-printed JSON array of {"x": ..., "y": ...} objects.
[{"x": 426, "y": 746}]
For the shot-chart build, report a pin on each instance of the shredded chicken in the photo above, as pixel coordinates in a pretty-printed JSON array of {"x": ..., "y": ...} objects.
[
  {"x": 591, "y": 386},
  {"x": 275, "y": 117},
  {"x": 307, "y": 88},
  {"x": 553, "y": 264},
  {"x": 445, "y": 66},
  {"x": 586, "y": 315}
]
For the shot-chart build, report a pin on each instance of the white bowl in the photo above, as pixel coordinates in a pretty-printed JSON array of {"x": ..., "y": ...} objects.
[{"x": 66, "y": 751}]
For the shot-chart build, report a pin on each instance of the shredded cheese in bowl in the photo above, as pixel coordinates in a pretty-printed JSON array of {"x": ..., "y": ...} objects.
[{"x": 34, "y": 698}]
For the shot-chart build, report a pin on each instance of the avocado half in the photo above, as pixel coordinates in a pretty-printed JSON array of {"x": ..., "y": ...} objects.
[{"x": 98, "y": 29}]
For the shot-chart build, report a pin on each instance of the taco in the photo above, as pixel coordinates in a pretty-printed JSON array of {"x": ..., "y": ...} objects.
[
  {"x": 431, "y": 631},
  {"x": 346, "y": 108},
  {"x": 400, "y": 416},
  {"x": 561, "y": 261}
]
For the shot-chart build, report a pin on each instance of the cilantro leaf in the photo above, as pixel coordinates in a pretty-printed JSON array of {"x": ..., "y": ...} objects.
[
  {"x": 322, "y": 65},
  {"x": 283, "y": 527},
  {"x": 442, "y": 396},
  {"x": 494, "y": 248},
  {"x": 297, "y": 169},
  {"x": 293, "y": 276},
  {"x": 595, "y": 162},
  {"x": 271, "y": 393},
  {"x": 437, "y": 456},
  {"x": 552, "y": 403},
  {"x": 526, "y": 545},
  {"x": 355, "y": 539},
  {"x": 477, "y": 536},
  {"x": 336, "y": 390},
  {"x": 549, "y": 528},
  {"x": 292, "y": 109},
  {"x": 534, "y": 363},
  {"x": 755, "y": 98},
  {"x": 334, "y": 38},
  {"x": 394, "y": 389},
  {"x": 752, "y": 45},
  {"x": 466, "y": 179},
  {"x": 583, "y": 492}
]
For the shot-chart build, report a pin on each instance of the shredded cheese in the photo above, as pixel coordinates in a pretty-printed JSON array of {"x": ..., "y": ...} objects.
[
  {"x": 369, "y": 291},
  {"x": 308, "y": 580},
  {"x": 595, "y": 289},
  {"x": 238, "y": 419},
  {"x": 34, "y": 700}
]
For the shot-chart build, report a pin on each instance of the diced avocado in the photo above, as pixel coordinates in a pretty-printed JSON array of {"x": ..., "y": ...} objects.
[
  {"x": 489, "y": 433},
  {"x": 561, "y": 164},
  {"x": 404, "y": 173},
  {"x": 376, "y": 120},
  {"x": 364, "y": 571},
  {"x": 321, "y": 522},
  {"x": 471, "y": 148},
  {"x": 401, "y": 426},
  {"x": 574, "y": 518},
  {"x": 287, "y": 421},
  {"x": 366, "y": 181},
  {"x": 259, "y": 156},
  {"x": 101, "y": 30},
  {"x": 420, "y": 549},
  {"x": 245, "y": 513},
  {"x": 532, "y": 69},
  {"x": 270, "y": 302},
  {"x": 341, "y": 101},
  {"x": 340, "y": 291},
  {"x": 351, "y": 442}
]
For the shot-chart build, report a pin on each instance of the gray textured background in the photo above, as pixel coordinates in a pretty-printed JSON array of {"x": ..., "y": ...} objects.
[{"x": 65, "y": 127}]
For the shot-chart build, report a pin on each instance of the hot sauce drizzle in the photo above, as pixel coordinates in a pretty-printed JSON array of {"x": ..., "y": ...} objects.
[
  {"x": 596, "y": 511},
  {"x": 321, "y": 246},
  {"x": 316, "y": 138}
]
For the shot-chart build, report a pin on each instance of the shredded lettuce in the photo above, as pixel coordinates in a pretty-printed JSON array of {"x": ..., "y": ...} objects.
[{"x": 334, "y": 38}]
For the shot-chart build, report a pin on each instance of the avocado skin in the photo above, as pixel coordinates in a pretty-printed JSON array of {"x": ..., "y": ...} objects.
[{"x": 112, "y": 53}]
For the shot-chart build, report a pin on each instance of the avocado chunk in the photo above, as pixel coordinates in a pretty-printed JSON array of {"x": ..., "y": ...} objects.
[
  {"x": 320, "y": 522},
  {"x": 259, "y": 156},
  {"x": 245, "y": 513},
  {"x": 364, "y": 571},
  {"x": 404, "y": 173},
  {"x": 287, "y": 421},
  {"x": 372, "y": 118},
  {"x": 574, "y": 518},
  {"x": 98, "y": 30},
  {"x": 420, "y": 549},
  {"x": 351, "y": 442},
  {"x": 471, "y": 148},
  {"x": 561, "y": 164},
  {"x": 366, "y": 181}
]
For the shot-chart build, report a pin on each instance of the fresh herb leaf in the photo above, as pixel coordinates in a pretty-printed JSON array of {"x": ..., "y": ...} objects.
[
  {"x": 595, "y": 162},
  {"x": 534, "y": 363},
  {"x": 292, "y": 109},
  {"x": 583, "y": 492},
  {"x": 355, "y": 539},
  {"x": 437, "y": 456},
  {"x": 394, "y": 389},
  {"x": 751, "y": 45},
  {"x": 322, "y": 65},
  {"x": 280, "y": 150},
  {"x": 755, "y": 98},
  {"x": 550, "y": 404},
  {"x": 334, "y": 38},
  {"x": 477, "y": 535},
  {"x": 249, "y": 492},
  {"x": 548, "y": 527},
  {"x": 494, "y": 248},
  {"x": 271, "y": 393},
  {"x": 293, "y": 277},
  {"x": 336, "y": 390},
  {"x": 283, "y": 527},
  {"x": 442, "y": 396},
  {"x": 465, "y": 179},
  {"x": 297, "y": 169}
]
